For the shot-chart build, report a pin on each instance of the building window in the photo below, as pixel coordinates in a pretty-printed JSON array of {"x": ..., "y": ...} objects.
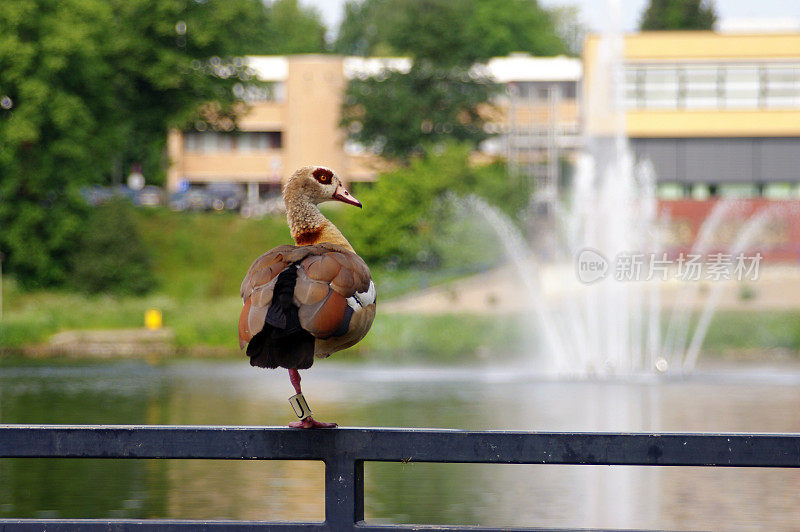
[
  {"x": 660, "y": 87},
  {"x": 224, "y": 142},
  {"x": 243, "y": 141},
  {"x": 569, "y": 89},
  {"x": 271, "y": 92},
  {"x": 782, "y": 86},
  {"x": 207, "y": 142},
  {"x": 259, "y": 141},
  {"x": 701, "y": 191},
  {"x": 779, "y": 191},
  {"x": 713, "y": 86},
  {"x": 670, "y": 191},
  {"x": 737, "y": 190},
  {"x": 742, "y": 87},
  {"x": 634, "y": 87},
  {"x": 540, "y": 90},
  {"x": 701, "y": 87}
]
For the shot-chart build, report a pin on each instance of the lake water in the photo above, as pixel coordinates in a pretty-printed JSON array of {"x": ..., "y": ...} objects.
[{"x": 232, "y": 393}]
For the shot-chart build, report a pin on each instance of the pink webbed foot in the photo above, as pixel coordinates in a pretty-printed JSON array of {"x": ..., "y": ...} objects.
[{"x": 311, "y": 423}]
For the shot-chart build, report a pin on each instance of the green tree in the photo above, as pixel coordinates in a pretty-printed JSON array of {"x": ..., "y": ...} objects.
[
  {"x": 360, "y": 32},
  {"x": 569, "y": 28},
  {"x": 293, "y": 29},
  {"x": 110, "y": 256},
  {"x": 511, "y": 26},
  {"x": 442, "y": 98},
  {"x": 679, "y": 15},
  {"x": 398, "y": 114},
  {"x": 451, "y": 32},
  {"x": 257, "y": 27},
  {"x": 407, "y": 216},
  {"x": 89, "y": 86}
]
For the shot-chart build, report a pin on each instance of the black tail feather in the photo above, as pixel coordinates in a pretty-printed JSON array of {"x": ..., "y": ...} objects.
[{"x": 282, "y": 342}]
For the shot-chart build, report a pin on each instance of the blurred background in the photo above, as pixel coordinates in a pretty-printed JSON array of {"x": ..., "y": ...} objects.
[{"x": 578, "y": 215}]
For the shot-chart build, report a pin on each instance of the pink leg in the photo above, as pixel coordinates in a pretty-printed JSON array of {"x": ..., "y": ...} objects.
[
  {"x": 294, "y": 377},
  {"x": 309, "y": 422}
]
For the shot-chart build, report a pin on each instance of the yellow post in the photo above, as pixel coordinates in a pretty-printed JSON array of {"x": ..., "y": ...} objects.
[{"x": 152, "y": 319}]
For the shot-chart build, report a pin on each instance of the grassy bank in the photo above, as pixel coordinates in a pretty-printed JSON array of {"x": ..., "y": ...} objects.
[
  {"x": 199, "y": 260},
  {"x": 744, "y": 330},
  {"x": 201, "y": 255},
  {"x": 30, "y": 318},
  {"x": 197, "y": 256}
]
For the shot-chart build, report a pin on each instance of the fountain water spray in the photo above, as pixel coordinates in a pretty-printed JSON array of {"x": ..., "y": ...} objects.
[{"x": 612, "y": 325}]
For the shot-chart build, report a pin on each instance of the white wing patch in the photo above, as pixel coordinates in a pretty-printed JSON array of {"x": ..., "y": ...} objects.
[{"x": 362, "y": 299}]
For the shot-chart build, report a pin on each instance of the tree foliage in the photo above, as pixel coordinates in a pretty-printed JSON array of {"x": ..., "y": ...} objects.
[
  {"x": 406, "y": 213},
  {"x": 110, "y": 256},
  {"x": 569, "y": 28},
  {"x": 679, "y": 15},
  {"x": 291, "y": 29},
  {"x": 89, "y": 86},
  {"x": 451, "y": 32},
  {"x": 398, "y": 114}
]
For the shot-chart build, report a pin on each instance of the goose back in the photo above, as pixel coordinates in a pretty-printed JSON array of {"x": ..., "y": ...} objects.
[{"x": 302, "y": 301}]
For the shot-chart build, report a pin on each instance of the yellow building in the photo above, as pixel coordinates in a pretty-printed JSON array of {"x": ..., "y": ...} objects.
[
  {"x": 714, "y": 112},
  {"x": 296, "y": 120}
]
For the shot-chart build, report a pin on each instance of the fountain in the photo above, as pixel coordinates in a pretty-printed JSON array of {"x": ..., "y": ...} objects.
[{"x": 611, "y": 323}]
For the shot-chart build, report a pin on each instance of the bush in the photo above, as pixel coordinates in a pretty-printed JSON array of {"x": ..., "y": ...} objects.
[{"x": 110, "y": 256}]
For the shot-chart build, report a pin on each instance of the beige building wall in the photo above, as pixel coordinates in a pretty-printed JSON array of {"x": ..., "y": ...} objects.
[
  {"x": 175, "y": 154},
  {"x": 315, "y": 88},
  {"x": 307, "y": 118}
]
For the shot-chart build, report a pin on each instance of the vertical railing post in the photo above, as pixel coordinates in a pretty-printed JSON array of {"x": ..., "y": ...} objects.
[{"x": 344, "y": 492}]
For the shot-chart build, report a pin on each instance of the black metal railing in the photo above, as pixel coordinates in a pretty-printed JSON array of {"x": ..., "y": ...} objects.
[{"x": 345, "y": 450}]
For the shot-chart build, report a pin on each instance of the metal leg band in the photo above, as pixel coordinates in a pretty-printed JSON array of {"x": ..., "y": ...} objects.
[{"x": 300, "y": 406}]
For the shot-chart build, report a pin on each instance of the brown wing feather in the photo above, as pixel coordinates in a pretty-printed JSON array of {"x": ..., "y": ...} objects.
[
  {"x": 327, "y": 275},
  {"x": 359, "y": 326},
  {"x": 323, "y": 269},
  {"x": 322, "y": 319},
  {"x": 307, "y": 291},
  {"x": 244, "y": 329},
  {"x": 344, "y": 283},
  {"x": 261, "y": 271}
]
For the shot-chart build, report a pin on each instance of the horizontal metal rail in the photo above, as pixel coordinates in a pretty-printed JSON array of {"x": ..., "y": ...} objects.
[{"x": 345, "y": 450}]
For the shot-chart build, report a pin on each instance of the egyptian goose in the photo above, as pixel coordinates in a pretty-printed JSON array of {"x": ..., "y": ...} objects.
[{"x": 307, "y": 300}]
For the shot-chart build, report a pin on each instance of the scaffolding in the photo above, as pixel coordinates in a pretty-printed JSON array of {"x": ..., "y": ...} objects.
[{"x": 534, "y": 141}]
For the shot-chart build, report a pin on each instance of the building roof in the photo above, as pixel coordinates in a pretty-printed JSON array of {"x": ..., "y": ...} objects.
[
  {"x": 269, "y": 67},
  {"x": 369, "y": 66},
  {"x": 515, "y": 67},
  {"x": 687, "y": 45},
  {"x": 525, "y": 67}
]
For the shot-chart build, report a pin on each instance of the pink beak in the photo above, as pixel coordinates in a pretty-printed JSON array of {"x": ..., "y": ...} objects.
[{"x": 345, "y": 197}]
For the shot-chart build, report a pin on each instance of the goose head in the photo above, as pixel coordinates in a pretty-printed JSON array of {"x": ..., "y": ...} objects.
[{"x": 315, "y": 185}]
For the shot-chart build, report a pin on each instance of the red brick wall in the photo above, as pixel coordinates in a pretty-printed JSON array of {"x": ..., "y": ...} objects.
[{"x": 779, "y": 242}]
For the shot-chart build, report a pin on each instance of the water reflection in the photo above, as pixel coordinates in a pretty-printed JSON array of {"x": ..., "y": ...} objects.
[{"x": 493, "y": 495}]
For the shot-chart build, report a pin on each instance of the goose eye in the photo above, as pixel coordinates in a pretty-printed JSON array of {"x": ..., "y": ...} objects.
[{"x": 323, "y": 175}]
